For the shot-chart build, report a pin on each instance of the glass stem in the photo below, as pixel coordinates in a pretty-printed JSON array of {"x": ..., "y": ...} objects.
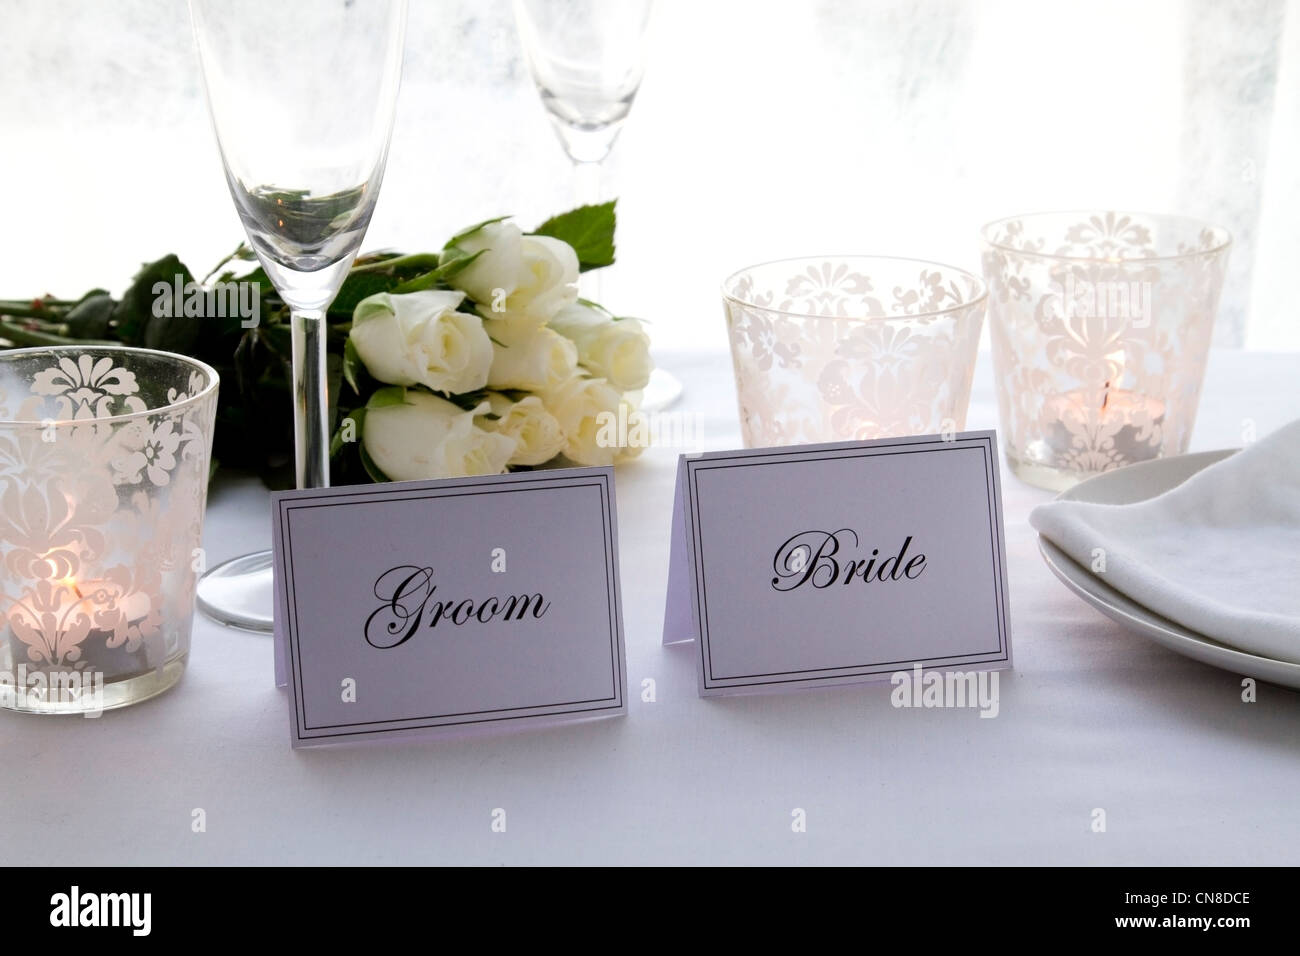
[
  {"x": 311, "y": 431},
  {"x": 587, "y": 180}
]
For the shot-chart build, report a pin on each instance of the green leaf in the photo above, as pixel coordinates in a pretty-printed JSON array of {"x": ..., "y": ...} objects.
[
  {"x": 358, "y": 286},
  {"x": 387, "y": 396},
  {"x": 449, "y": 268},
  {"x": 89, "y": 318},
  {"x": 243, "y": 253},
  {"x": 589, "y": 229},
  {"x": 465, "y": 233},
  {"x": 357, "y": 416},
  {"x": 369, "y": 259},
  {"x": 351, "y": 364},
  {"x": 265, "y": 287},
  {"x": 456, "y": 264},
  {"x": 397, "y": 266},
  {"x": 419, "y": 284},
  {"x": 278, "y": 338},
  {"x": 134, "y": 314}
]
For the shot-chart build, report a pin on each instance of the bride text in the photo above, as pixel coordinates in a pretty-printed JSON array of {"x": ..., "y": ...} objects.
[{"x": 821, "y": 559}]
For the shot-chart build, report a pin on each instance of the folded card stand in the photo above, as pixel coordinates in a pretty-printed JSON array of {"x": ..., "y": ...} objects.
[
  {"x": 439, "y": 607},
  {"x": 828, "y": 564}
]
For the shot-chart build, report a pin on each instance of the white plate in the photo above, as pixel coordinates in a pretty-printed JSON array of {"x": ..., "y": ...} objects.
[{"x": 1138, "y": 483}]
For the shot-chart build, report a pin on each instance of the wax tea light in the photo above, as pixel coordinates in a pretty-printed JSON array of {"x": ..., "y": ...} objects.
[
  {"x": 104, "y": 458},
  {"x": 1100, "y": 324},
  {"x": 1088, "y": 430}
]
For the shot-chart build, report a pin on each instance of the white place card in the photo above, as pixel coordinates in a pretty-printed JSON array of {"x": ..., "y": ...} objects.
[
  {"x": 427, "y": 607},
  {"x": 827, "y": 564}
]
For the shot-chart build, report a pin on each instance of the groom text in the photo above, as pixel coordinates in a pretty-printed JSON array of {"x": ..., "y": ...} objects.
[{"x": 406, "y": 593}]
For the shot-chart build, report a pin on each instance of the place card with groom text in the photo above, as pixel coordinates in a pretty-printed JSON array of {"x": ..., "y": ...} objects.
[
  {"x": 449, "y": 606},
  {"x": 828, "y": 564}
]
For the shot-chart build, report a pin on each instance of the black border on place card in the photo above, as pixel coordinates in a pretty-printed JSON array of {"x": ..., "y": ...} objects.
[
  {"x": 535, "y": 481},
  {"x": 983, "y": 441}
]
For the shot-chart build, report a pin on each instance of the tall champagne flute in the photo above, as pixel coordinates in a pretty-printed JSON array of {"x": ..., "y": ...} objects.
[
  {"x": 302, "y": 95},
  {"x": 587, "y": 58}
]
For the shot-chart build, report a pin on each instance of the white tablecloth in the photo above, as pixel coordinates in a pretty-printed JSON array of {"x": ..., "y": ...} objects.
[{"x": 1091, "y": 717}]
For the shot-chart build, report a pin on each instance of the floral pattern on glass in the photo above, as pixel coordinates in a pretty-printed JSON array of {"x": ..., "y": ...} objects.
[
  {"x": 852, "y": 348},
  {"x": 1100, "y": 325},
  {"x": 103, "y": 479}
]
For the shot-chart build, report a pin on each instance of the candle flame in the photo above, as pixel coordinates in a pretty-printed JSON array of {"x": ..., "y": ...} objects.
[
  {"x": 68, "y": 583},
  {"x": 1116, "y": 362}
]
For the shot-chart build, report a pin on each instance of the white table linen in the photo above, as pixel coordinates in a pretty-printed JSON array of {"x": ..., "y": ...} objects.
[{"x": 1091, "y": 717}]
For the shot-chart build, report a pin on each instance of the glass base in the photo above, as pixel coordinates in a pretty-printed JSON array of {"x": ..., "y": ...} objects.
[
  {"x": 239, "y": 593},
  {"x": 663, "y": 389},
  {"x": 1044, "y": 476},
  {"x": 120, "y": 693}
]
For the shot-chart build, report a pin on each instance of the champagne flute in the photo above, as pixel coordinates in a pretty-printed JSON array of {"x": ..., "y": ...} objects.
[
  {"x": 302, "y": 95},
  {"x": 587, "y": 58}
]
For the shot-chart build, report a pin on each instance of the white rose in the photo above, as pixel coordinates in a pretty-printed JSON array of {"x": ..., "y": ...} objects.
[
  {"x": 429, "y": 437},
  {"x": 498, "y": 266},
  {"x": 536, "y": 432},
  {"x": 517, "y": 280},
  {"x": 532, "y": 360},
  {"x": 420, "y": 339},
  {"x": 600, "y": 426},
  {"x": 617, "y": 350},
  {"x": 548, "y": 281}
]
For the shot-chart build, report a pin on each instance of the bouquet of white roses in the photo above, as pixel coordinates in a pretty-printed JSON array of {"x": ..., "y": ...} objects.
[
  {"x": 494, "y": 362},
  {"x": 471, "y": 360}
]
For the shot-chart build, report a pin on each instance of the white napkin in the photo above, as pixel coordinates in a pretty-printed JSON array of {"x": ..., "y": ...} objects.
[{"x": 1219, "y": 554}]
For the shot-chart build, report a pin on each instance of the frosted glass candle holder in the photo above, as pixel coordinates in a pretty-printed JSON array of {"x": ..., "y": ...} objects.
[
  {"x": 851, "y": 348},
  {"x": 1100, "y": 324},
  {"x": 104, "y": 456}
]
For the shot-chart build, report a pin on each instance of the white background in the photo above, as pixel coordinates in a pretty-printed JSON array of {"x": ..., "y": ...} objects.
[{"x": 763, "y": 130}]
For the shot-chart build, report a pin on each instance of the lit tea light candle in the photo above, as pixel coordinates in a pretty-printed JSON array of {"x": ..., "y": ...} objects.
[
  {"x": 70, "y": 599},
  {"x": 103, "y": 595},
  {"x": 1101, "y": 428},
  {"x": 99, "y": 595},
  {"x": 94, "y": 586},
  {"x": 1100, "y": 322}
]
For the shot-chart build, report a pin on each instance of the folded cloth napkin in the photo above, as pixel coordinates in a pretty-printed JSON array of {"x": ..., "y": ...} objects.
[{"x": 1219, "y": 554}]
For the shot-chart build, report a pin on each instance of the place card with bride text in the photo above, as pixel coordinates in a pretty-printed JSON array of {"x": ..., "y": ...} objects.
[
  {"x": 828, "y": 564},
  {"x": 441, "y": 607}
]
